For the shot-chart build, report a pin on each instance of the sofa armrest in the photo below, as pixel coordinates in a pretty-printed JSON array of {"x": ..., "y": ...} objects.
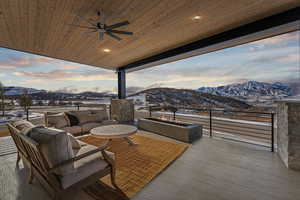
[{"x": 101, "y": 148}]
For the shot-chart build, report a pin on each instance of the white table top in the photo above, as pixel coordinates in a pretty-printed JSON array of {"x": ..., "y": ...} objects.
[{"x": 114, "y": 131}]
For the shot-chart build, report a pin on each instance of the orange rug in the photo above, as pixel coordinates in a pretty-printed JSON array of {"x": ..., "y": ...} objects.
[
  {"x": 4, "y": 133},
  {"x": 137, "y": 165}
]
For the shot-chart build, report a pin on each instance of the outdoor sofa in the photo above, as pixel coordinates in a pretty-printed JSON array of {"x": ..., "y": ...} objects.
[{"x": 77, "y": 122}]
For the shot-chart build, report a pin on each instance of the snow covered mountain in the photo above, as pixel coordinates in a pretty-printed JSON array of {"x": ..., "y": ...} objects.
[
  {"x": 37, "y": 94},
  {"x": 251, "y": 90},
  {"x": 20, "y": 90},
  {"x": 189, "y": 98}
]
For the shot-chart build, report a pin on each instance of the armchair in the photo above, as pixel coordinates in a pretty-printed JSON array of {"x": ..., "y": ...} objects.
[{"x": 57, "y": 173}]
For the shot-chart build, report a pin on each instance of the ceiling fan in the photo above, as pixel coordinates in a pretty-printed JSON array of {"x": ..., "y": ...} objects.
[{"x": 99, "y": 26}]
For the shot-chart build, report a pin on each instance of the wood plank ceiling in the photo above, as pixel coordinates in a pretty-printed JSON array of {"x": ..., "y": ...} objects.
[{"x": 39, "y": 26}]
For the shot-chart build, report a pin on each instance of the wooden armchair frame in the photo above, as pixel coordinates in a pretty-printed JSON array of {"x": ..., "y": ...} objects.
[{"x": 30, "y": 153}]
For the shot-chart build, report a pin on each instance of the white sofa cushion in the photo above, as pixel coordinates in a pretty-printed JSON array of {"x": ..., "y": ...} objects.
[
  {"x": 57, "y": 120},
  {"x": 100, "y": 115},
  {"x": 81, "y": 115},
  {"x": 88, "y": 126}
]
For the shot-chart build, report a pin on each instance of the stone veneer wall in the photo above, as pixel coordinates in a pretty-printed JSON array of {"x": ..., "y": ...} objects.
[
  {"x": 122, "y": 110},
  {"x": 288, "y": 133}
]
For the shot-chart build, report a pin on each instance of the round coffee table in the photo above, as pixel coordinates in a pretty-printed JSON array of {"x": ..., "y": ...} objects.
[{"x": 115, "y": 131}]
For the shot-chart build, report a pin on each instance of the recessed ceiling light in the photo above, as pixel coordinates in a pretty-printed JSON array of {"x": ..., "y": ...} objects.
[
  {"x": 197, "y": 17},
  {"x": 106, "y": 50}
]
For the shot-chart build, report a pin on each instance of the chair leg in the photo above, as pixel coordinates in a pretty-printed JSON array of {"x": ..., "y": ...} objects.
[
  {"x": 18, "y": 159},
  {"x": 113, "y": 181},
  {"x": 30, "y": 175},
  {"x": 57, "y": 196},
  {"x": 113, "y": 173},
  {"x": 113, "y": 177}
]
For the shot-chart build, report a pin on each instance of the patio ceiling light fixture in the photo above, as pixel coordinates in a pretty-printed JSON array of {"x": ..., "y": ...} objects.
[
  {"x": 196, "y": 17},
  {"x": 106, "y": 50}
]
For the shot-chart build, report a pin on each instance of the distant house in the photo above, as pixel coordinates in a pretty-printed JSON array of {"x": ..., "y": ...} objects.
[{"x": 139, "y": 99}]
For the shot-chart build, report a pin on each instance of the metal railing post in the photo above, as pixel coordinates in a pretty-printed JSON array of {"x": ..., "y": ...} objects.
[
  {"x": 210, "y": 123},
  {"x": 272, "y": 132},
  {"x": 109, "y": 111},
  {"x": 27, "y": 114}
]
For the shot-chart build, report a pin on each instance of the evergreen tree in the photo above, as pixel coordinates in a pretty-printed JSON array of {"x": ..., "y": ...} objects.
[{"x": 25, "y": 100}]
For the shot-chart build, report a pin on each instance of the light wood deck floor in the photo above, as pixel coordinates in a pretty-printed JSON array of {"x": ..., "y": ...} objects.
[{"x": 211, "y": 169}]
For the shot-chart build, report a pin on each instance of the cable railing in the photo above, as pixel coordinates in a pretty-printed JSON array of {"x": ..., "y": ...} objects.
[
  {"x": 38, "y": 111},
  {"x": 247, "y": 126}
]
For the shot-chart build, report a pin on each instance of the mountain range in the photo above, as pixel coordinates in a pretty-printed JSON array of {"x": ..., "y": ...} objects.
[
  {"x": 11, "y": 90},
  {"x": 237, "y": 95},
  {"x": 250, "y": 89},
  {"x": 189, "y": 98},
  {"x": 56, "y": 95}
]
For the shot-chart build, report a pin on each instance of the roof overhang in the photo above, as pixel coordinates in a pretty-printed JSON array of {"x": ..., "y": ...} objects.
[
  {"x": 164, "y": 31},
  {"x": 268, "y": 27}
]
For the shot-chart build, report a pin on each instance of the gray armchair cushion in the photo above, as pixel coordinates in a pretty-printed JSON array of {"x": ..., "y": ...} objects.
[
  {"x": 74, "y": 130},
  {"x": 75, "y": 143},
  {"x": 22, "y": 125},
  {"x": 85, "y": 167},
  {"x": 55, "y": 146},
  {"x": 82, "y": 143}
]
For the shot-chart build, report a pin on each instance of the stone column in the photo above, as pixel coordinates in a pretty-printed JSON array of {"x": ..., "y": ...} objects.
[
  {"x": 288, "y": 132},
  {"x": 122, "y": 110}
]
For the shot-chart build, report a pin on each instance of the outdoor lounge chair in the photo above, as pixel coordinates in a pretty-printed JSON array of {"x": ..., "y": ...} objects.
[{"x": 59, "y": 172}]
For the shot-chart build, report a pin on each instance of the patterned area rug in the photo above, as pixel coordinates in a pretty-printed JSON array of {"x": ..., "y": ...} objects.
[{"x": 136, "y": 165}]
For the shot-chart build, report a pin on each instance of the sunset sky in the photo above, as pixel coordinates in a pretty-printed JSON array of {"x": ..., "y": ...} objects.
[{"x": 269, "y": 60}]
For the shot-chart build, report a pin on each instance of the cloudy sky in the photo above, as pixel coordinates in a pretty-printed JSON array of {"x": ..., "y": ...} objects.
[{"x": 269, "y": 60}]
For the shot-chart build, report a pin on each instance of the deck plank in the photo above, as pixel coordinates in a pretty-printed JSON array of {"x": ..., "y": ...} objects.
[{"x": 7, "y": 146}]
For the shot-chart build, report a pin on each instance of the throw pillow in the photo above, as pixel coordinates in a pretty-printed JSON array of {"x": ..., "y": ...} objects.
[
  {"x": 101, "y": 115},
  {"x": 72, "y": 119}
]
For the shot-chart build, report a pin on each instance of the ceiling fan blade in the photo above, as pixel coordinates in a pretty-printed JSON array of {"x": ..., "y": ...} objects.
[
  {"x": 79, "y": 26},
  {"x": 102, "y": 16},
  {"x": 113, "y": 36},
  {"x": 88, "y": 21},
  {"x": 117, "y": 25},
  {"x": 90, "y": 32},
  {"x": 101, "y": 35},
  {"x": 121, "y": 32}
]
